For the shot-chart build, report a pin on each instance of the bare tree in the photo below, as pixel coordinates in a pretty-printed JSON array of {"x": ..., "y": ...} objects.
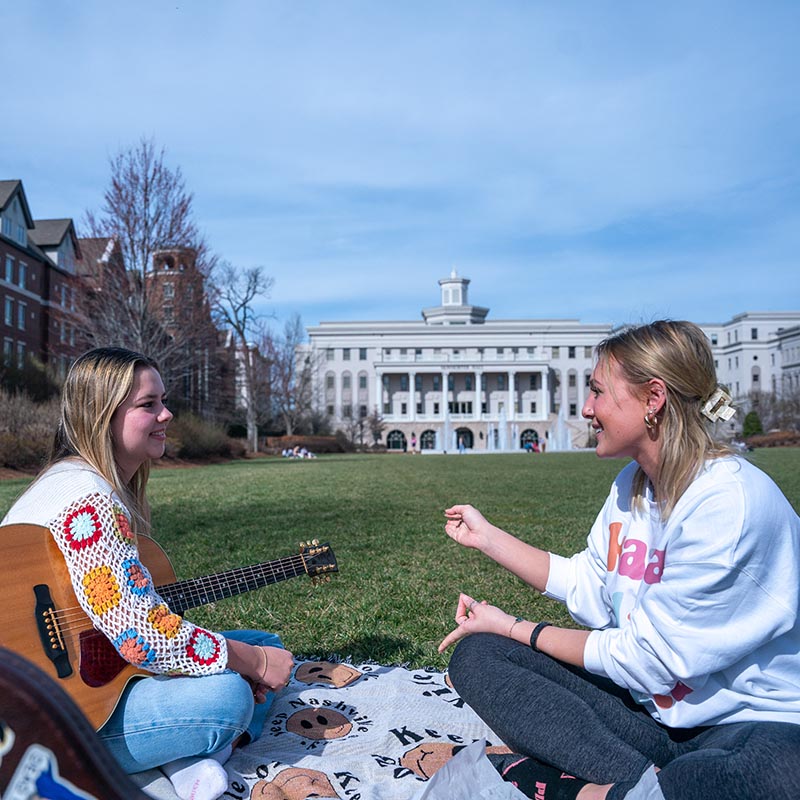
[
  {"x": 233, "y": 297},
  {"x": 291, "y": 374},
  {"x": 376, "y": 425},
  {"x": 147, "y": 212}
]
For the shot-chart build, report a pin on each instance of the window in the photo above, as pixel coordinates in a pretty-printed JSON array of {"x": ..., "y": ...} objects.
[
  {"x": 20, "y": 354},
  {"x": 9, "y": 317},
  {"x": 362, "y": 412},
  {"x": 532, "y": 382},
  {"x": 347, "y": 411},
  {"x": 418, "y": 382},
  {"x": 500, "y": 351},
  {"x": 436, "y": 408},
  {"x": 573, "y": 410},
  {"x": 713, "y": 338},
  {"x": 345, "y": 354},
  {"x": 419, "y": 408},
  {"x": 387, "y": 408},
  {"x": 329, "y": 410},
  {"x": 556, "y": 352},
  {"x": 437, "y": 383},
  {"x": 9, "y": 269},
  {"x": 362, "y": 381},
  {"x": 531, "y": 351},
  {"x": 587, "y": 352},
  {"x": 329, "y": 354},
  {"x": 404, "y": 383},
  {"x": 169, "y": 291},
  {"x": 754, "y": 333},
  {"x": 21, "y": 308},
  {"x": 451, "y": 382},
  {"x": 418, "y": 352},
  {"x": 468, "y": 383},
  {"x": 403, "y": 409},
  {"x": 8, "y": 349},
  {"x": 571, "y": 380},
  {"x": 346, "y": 380},
  {"x": 501, "y": 382},
  {"x": 570, "y": 352},
  {"x": 329, "y": 381},
  {"x": 362, "y": 353},
  {"x": 533, "y": 407}
]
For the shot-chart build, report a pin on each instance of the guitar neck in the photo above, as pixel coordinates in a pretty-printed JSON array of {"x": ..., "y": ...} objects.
[{"x": 183, "y": 595}]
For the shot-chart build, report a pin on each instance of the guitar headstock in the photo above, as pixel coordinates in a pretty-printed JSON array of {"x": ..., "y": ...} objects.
[{"x": 318, "y": 560}]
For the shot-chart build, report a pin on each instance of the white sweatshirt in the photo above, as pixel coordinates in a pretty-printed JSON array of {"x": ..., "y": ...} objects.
[{"x": 696, "y": 616}]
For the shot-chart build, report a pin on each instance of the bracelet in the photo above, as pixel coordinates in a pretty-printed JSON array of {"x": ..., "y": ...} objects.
[
  {"x": 516, "y": 620},
  {"x": 266, "y": 665},
  {"x": 535, "y": 634}
]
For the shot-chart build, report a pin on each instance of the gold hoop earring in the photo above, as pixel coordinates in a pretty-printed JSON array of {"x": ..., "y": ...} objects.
[{"x": 651, "y": 419}]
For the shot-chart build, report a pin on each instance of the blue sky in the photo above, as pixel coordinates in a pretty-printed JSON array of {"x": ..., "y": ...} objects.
[{"x": 603, "y": 160}]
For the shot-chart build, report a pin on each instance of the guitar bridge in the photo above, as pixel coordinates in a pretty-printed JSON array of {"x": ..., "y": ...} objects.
[{"x": 50, "y": 632}]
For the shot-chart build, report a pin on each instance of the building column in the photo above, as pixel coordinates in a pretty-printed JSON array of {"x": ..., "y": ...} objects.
[
  {"x": 412, "y": 395},
  {"x": 512, "y": 405},
  {"x": 379, "y": 392},
  {"x": 445, "y": 410},
  {"x": 478, "y": 394},
  {"x": 545, "y": 373}
]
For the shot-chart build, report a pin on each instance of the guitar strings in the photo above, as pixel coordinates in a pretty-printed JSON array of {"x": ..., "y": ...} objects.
[{"x": 255, "y": 576}]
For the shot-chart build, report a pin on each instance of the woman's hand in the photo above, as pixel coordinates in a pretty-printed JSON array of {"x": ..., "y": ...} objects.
[
  {"x": 275, "y": 676},
  {"x": 475, "y": 617},
  {"x": 467, "y": 526}
]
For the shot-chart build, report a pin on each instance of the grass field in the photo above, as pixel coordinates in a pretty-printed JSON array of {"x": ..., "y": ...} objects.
[{"x": 394, "y": 596}]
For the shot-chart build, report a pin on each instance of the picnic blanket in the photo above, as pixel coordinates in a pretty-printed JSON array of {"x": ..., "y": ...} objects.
[{"x": 355, "y": 732}]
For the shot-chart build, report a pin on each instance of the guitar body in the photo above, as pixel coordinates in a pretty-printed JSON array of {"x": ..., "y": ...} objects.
[
  {"x": 32, "y": 558},
  {"x": 41, "y": 619}
]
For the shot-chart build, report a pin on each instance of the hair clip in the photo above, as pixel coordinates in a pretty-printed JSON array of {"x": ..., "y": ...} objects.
[{"x": 718, "y": 406}]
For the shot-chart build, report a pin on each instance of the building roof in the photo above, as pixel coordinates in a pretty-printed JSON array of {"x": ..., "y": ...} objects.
[
  {"x": 8, "y": 189},
  {"x": 49, "y": 232}
]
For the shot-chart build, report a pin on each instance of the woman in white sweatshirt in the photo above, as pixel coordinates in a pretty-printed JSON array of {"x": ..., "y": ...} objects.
[{"x": 686, "y": 682}]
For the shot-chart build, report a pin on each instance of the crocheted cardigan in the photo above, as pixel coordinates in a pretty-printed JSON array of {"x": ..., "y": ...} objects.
[{"x": 92, "y": 528}]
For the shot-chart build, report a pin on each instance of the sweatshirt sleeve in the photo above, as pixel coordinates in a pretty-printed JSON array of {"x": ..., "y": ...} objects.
[
  {"x": 580, "y": 580},
  {"x": 728, "y": 587},
  {"x": 116, "y": 592}
]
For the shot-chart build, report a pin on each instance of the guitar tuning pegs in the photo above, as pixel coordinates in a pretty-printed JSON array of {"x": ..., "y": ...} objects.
[{"x": 315, "y": 542}]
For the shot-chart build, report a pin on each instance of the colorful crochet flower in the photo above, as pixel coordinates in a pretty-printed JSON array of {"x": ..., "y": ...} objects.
[
  {"x": 82, "y": 527},
  {"x": 164, "y": 621},
  {"x": 102, "y": 589},
  {"x": 134, "y": 648},
  {"x": 136, "y": 576},
  {"x": 122, "y": 528},
  {"x": 203, "y": 647}
]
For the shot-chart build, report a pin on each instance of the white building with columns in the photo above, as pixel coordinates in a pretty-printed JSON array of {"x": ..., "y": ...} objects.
[{"x": 456, "y": 377}]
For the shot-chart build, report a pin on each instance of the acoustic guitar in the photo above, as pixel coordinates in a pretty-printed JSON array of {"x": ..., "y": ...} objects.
[{"x": 40, "y": 617}]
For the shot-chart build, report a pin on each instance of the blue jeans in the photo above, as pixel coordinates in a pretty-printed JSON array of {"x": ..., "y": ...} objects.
[
  {"x": 159, "y": 718},
  {"x": 587, "y": 726}
]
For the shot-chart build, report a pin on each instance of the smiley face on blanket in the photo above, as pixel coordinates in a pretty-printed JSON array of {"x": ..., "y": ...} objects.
[
  {"x": 319, "y": 723},
  {"x": 429, "y": 757},
  {"x": 338, "y": 675},
  {"x": 294, "y": 783}
]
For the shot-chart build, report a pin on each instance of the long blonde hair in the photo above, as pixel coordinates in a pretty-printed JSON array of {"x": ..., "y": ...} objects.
[
  {"x": 678, "y": 353},
  {"x": 96, "y": 385}
]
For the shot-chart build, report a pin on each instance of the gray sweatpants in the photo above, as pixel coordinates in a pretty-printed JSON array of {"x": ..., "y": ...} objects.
[{"x": 589, "y": 727}]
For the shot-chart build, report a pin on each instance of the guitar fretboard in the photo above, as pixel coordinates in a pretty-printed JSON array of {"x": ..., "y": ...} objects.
[{"x": 196, "y": 592}]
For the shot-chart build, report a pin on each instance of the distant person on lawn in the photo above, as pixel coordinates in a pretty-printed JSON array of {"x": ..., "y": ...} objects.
[
  {"x": 91, "y": 496},
  {"x": 687, "y": 685}
]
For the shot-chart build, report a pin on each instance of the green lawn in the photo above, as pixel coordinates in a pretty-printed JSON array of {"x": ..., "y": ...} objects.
[{"x": 394, "y": 596}]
